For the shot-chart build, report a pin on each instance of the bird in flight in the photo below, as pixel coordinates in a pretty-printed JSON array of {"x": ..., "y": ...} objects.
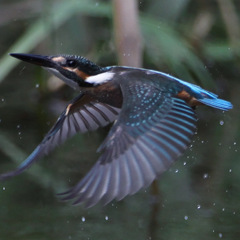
[{"x": 153, "y": 120}]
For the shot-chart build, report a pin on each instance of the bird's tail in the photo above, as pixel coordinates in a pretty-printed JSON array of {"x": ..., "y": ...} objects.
[{"x": 217, "y": 103}]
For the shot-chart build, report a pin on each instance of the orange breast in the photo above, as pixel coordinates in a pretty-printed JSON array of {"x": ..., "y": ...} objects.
[{"x": 192, "y": 101}]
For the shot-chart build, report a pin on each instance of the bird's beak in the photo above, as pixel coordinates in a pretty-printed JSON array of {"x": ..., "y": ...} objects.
[{"x": 43, "y": 61}]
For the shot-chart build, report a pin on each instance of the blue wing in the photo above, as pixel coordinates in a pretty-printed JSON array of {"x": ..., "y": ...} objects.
[
  {"x": 152, "y": 131},
  {"x": 81, "y": 115}
]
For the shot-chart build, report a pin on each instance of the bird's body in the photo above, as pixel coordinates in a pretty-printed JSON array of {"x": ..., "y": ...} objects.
[{"x": 153, "y": 123}]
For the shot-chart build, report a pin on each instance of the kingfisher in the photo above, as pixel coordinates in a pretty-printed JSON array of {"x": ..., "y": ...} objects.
[{"x": 153, "y": 116}]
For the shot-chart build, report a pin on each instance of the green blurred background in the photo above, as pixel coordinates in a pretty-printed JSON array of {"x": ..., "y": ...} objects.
[{"x": 195, "y": 40}]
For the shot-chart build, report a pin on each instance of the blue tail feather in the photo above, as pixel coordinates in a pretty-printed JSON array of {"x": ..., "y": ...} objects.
[
  {"x": 217, "y": 103},
  {"x": 206, "y": 97}
]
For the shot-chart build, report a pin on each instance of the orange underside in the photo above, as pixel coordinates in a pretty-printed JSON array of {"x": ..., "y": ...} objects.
[{"x": 192, "y": 101}]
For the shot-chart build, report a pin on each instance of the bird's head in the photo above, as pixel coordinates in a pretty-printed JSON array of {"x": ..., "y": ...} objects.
[{"x": 76, "y": 71}]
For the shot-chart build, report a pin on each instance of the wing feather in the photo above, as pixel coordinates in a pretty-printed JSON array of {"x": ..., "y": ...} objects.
[
  {"x": 81, "y": 115},
  {"x": 133, "y": 165}
]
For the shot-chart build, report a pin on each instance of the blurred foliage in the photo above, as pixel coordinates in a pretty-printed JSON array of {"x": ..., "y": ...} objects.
[
  {"x": 167, "y": 43},
  {"x": 196, "y": 41}
]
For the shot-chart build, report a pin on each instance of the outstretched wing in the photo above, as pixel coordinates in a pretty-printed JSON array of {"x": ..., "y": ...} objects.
[
  {"x": 152, "y": 131},
  {"x": 81, "y": 115}
]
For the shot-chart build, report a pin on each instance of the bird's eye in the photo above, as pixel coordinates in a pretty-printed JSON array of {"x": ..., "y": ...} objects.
[{"x": 71, "y": 63}]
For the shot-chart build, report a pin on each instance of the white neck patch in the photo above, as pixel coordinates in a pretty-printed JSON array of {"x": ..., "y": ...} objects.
[{"x": 100, "y": 78}]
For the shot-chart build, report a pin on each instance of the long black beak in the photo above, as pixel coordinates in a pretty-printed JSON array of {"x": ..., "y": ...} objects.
[{"x": 43, "y": 61}]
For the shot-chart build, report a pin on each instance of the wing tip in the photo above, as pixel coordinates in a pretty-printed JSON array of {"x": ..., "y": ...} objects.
[
  {"x": 10, "y": 174},
  {"x": 7, "y": 175}
]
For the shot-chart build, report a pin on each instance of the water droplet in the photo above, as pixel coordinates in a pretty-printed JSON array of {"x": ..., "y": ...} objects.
[
  {"x": 205, "y": 175},
  {"x": 221, "y": 122},
  {"x": 83, "y": 219}
]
